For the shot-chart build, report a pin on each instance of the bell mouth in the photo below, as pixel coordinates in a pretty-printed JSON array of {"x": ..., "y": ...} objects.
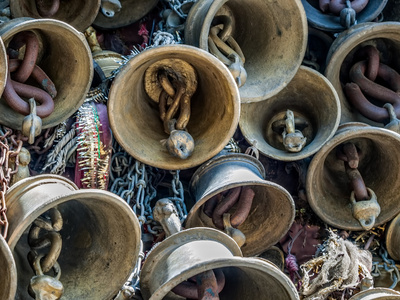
[
  {"x": 72, "y": 76},
  {"x": 7, "y": 264}
]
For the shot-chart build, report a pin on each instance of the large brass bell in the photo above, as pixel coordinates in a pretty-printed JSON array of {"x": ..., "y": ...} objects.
[
  {"x": 357, "y": 157},
  {"x": 384, "y": 36},
  {"x": 9, "y": 272},
  {"x": 79, "y": 14},
  {"x": 377, "y": 294},
  {"x": 393, "y": 238},
  {"x": 197, "y": 251},
  {"x": 119, "y": 13},
  {"x": 100, "y": 236},
  {"x": 316, "y": 113},
  {"x": 65, "y": 57},
  {"x": 273, "y": 43},
  {"x": 272, "y": 208},
  {"x": 214, "y": 108}
]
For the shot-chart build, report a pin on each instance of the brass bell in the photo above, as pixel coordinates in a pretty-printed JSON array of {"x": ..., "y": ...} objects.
[
  {"x": 333, "y": 23},
  {"x": 65, "y": 57},
  {"x": 357, "y": 157},
  {"x": 195, "y": 251},
  {"x": 9, "y": 272},
  {"x": 273, "y": 43},
  {"x": 79, "y": 14},
  {"x": 272, "y": 209},
  {"x": 377, "y": 294},
  {"x": 100, "y": 235},
  {"x": 316, "y": 108},
  {"x": 3, "y": 66},
  {"x": 119, "y": 13},
  {"x": 214, "y": 108},
  {"x": 393, "y": 238},
  {"x": 384, "y": 36}
]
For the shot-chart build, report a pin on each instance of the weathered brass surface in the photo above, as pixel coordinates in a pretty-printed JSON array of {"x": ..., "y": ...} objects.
[
  {"x": 272, "y": 210},
  {"x": 393, "y": 238},
  {"x": 134, "y": 117},
  {"x": 98, "y": 226},
  {"x": 3, "y": 66},
  {"x": 65, "y": 57},
  {"x": 328, "y": 188},
  {"x": 273, "y": 42},
  {"x": 316, "y": 109},
  {"x": 8, "y": 269},
  {"x": 130, "y": 12},
  {"x": 377, "y": 294},
  {"x": 79, "y": 14},
  {"x": 385, "y": 36}
]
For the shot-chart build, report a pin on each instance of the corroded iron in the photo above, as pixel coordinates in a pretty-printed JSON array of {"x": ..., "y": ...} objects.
[
  {"x": 79, "y": 14},
  {"x": 71, "y": 76},
  {"x": 270, "y": 204},
  {"x": 377, "y": 294},
  {"x": 341, "y": 57},
  {"x": 329, "y": 189},
  {"x": 188, "y": 253},
  {"x": 273, "y": 45},
  {"x": 97, "y": 227},
  {"x": 315, "y": 104},
  {"x": 332, "y": 22},
  {"x": 9, "y": 272},
  {"x": 393, "y": 238},
  {"x": 214, "y": 108},
  {"x": 130, "y": 11}
]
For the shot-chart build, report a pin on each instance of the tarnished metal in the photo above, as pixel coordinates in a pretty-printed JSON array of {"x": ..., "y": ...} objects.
[
  {"x": 97, "y": 227},
  {"x": 8, "y": 285},
  {"x": 130, "y": 12},
  {"x": 72, "y": 75},
  {"x": 317, "y": 14},
  {"x": 3, "y": 66},
  {"x": 316, "y": 108},
  {"x": 164, "y": 274},
  {"x": 210, "y": 128},
  {"x": 271, "y": 204},
  {"x": 273, "y": 45},
  {"x": 32, "y": 123},
  {"x": 328, "y": 187},
  {"x": 393, "y": 239},
  {"x": 344, "y": 52},
  {"x": 377, "y": 294},
  {"x": 76, "y": 13}
]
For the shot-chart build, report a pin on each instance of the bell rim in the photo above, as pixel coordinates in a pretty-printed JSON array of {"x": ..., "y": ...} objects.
[
  {"x": 319, "y": 159},
  {"x": 135, "y": 62},
  {"x": 390, "y": 231},
  {"x": 12, "y": 274},
  {"x": 384, "y": 293}
]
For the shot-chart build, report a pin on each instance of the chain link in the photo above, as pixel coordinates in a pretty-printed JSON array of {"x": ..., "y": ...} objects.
[
  {"x": 179, "y": 196},
  {"x": 388, "y": 265}
]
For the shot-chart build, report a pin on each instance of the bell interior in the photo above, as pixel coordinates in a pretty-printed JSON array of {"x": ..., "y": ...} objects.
[
  {"x": 213, "y": 113},
  {"x": 333, "y": 186},
  {"x": 270, "y": 217},
  {"x": 95, "y": 237},
  {"x": 310, "y": 98},
  {"x": 65, "y": 58},
  {"x": 79, "y": 14},
  {"x": 272, "y": 36}
]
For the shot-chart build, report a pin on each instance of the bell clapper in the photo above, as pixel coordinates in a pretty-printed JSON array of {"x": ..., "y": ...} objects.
[
  {"x": 208, "y": 284},
  {"x": 110, "y": 7},
  {"x": 32, "y": 123},
  {"x": 293, "y": 139},
  {"x": 24, "y": 158},
  {"x": 394, "y": 123}
]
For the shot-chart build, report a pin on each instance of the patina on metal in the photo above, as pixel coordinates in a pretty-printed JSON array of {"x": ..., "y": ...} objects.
[
  {"x": 393, "y": 239},
  {"x": 316, "y": 109},
  {"x": 8, "y": 269},
  {"x": 214, "y": 108},
  {"x": 97, "y": 227},
  {"x": 270, "y": 48},
  {"x": 263, "y": 203},
  {"x": 377, "y": 294},
  {"x": 119, "y": 13},
  {"x": 343, "y": 13},
  {"x": 346, "y": 50},
  {"x": 79, "y": 14},
  {"x": 71, "y": 76},
  {"x": 187, "y": 253},
  {"x": 329, "y": 187}
]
